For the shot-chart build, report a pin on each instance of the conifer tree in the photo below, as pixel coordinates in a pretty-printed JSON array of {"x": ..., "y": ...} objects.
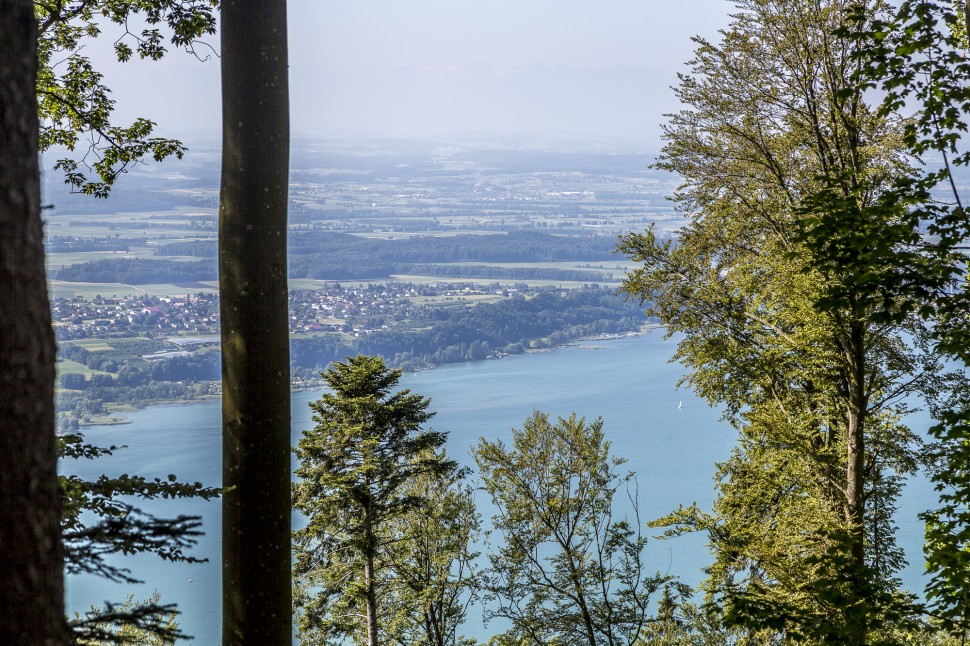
[
  {"x": 358, "y": 467},
  {"x": 98, "y": 520}
]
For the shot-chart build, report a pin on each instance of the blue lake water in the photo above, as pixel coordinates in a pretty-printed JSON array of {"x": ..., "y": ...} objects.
[{"x": 670, "y": 438}]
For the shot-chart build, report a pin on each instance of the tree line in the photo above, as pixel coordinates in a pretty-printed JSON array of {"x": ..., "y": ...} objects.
[
  {"x": 454, "y": 334},
  {"x": 339, "y": 256}
]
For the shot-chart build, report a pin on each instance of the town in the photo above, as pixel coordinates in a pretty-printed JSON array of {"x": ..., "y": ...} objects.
[{"x": 352, "y": 310}]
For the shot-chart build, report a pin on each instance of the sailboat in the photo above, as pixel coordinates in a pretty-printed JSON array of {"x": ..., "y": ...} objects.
[{"x": 680, "y": 404}]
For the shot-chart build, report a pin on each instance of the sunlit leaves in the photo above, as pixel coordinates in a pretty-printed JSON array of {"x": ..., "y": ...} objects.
[
  {"x": 569, "y": 568},
  {"x": 76, "y": 108}
]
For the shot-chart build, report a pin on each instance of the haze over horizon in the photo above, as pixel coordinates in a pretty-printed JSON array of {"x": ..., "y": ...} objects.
[{"x": 430, "y": 68}]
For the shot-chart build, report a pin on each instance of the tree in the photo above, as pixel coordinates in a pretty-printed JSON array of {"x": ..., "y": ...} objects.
[
  {"x": 775, "y": 140},
  {"x": 917, "y": 57},
  {"x": 257, "y": 603},
  {"x": 359, "y": 469},
  {"x": 432, "y": 563},
  {"x": 76, "y": 107},
  {"x": 97, "y": 520},
  {"x": 43, "y": 73},
  {"x": 97, "y": 628},
  {"x": 31, "y": 558},
  {"x": 567, "y": 571}
]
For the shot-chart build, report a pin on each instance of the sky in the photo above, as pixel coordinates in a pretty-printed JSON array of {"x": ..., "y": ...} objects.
[{"x": 420, "y": 68}]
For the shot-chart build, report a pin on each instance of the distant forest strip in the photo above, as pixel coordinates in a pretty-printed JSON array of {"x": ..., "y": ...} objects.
[
  {"x": 68, "y": 244},
  {"x": 138, "y": 271},
  {"x": 519, "y": 246},
  {"x": 337, "y": 256},
  {"x": 509, "y": 273}
]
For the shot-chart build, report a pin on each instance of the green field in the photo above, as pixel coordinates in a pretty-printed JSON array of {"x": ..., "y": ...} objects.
[
  {"x": 424, "y": 280},
  {"x": 93, "y": 345},
  {"x": 307, "y": 283},
  {"x": 602, "y": 266},
  {"x": 87, "y": 291},
  {"x": 68, "y": 367},
  {"x": 469, "y": 299}
]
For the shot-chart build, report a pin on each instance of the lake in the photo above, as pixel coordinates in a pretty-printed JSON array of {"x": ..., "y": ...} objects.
[{"x": 670, "y": 438}]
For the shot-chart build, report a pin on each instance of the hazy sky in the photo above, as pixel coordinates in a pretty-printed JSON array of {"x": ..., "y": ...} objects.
[{"x": 433, "y": 67}]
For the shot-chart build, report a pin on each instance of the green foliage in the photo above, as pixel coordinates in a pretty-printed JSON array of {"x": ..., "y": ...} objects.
[
  {"x": 144, "y": 623},
  {"x": 918, "y": 58},
  {"x": 567, "y": 570},
  {"x": 679, "y": 622},
  {"x": 76, "y": 108},
  {"x": 435, "y": 578},
  {"x": 947, "y": 544},
  {"x": 366, "y": 470},
  {"x": 796, "y": 319},
  {"x": 97, "y": 520}
]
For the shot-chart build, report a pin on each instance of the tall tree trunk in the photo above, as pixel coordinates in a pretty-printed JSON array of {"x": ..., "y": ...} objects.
[
  {"x": 255, "y": 345},
  {"x": 31, "y": 557},
  {"x": 855, "y": 468},
  {"x": 370, "y": 580}
]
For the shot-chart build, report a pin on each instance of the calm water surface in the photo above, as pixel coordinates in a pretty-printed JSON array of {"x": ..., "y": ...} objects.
[{"x": 670, "y": 438}]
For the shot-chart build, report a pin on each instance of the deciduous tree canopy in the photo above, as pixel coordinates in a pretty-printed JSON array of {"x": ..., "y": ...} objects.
[
  {"x": 776, "y": 137},
  {"x": 76, "y": 108},
  {"x": 570, "y": 567}
]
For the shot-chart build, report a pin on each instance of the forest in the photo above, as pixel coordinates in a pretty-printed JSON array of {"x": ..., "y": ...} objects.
[
  {"x": 817, "y": 295},
  {"x": 340, "y": 256}
]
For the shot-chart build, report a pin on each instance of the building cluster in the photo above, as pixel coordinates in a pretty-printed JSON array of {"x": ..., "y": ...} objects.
[{"x": 353, "y": 310}]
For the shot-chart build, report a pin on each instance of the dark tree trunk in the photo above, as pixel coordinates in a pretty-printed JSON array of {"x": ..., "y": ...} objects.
[
  {"x": 31, "y": 558},
  {"x": 370, "y": 578},
  {"x": 255, "y": 344}
]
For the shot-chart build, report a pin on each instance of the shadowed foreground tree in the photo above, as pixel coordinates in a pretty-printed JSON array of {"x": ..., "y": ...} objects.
[
  {"x": 43, "y": 74},
  {"x": 31, "y": 559},
  {"x": 76, "y": 113},
  {"x": 917, "y": 58},
  {"x": 255, "y": 338},
  {"x": 98, "y": 521}
]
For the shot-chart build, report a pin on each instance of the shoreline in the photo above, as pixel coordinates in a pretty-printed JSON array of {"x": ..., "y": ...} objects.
[{"x": 114, "y": 417}]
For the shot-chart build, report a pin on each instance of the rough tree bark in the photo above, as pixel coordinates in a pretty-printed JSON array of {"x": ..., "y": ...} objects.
[
  {"x": 854, "y": 351},
  {"x": 255, "y": 346},
  {"x": 31, "y": 559},
  {"x": 370, "y": 577}
]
